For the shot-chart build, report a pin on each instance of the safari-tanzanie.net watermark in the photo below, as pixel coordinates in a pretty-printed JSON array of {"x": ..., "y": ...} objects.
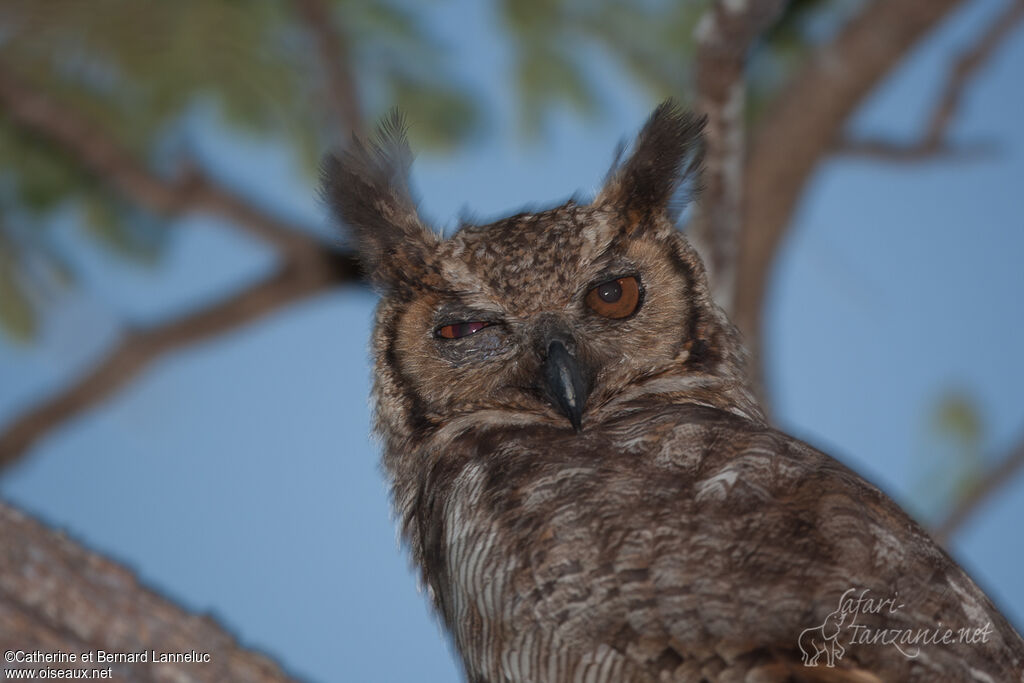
[{"x": 823, "y": 644}]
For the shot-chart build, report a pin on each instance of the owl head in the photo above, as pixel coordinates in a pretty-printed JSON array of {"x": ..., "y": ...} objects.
[{"x": 563, "y": 317}]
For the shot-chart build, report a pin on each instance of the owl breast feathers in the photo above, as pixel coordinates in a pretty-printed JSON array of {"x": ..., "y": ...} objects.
[{"x": 584, "y": 477}]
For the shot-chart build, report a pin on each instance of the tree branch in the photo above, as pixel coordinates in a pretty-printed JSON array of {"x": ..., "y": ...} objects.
[
  {"x": 308, "y": 266},
  {"x": 996, "y": 478},
  {"x": 93, "y": 148},
  {"x": 896, "y": 152},
  {"x": 57, "y": 596},
  {"x": 931, "y": 144},
  {"x": 332, "y": 48},
  {"x": 800, "y": 129},
  {"x": 295, "y": 281},
  {"x": 724, "y": 38}
]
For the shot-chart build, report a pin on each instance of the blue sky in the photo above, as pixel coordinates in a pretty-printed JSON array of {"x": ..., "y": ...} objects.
[{"x": 237, "y": 476}]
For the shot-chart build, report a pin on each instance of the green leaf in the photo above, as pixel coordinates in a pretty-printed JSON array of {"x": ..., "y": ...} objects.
[
  {"x": 17, "y": 315},
  {"x": 952, "y": 462},
  {"x": 443, "y": 116},
  {"x": 133, "y": 235},
  {"x": 957, "y": 417}
]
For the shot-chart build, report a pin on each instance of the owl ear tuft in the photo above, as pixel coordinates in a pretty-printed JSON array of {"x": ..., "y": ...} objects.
[
  {"x": 367, "y": 188},
  {"x": 661, "y": 173}
]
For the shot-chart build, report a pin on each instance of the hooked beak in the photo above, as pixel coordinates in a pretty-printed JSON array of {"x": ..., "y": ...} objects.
[{"x": 565, "y": 382}]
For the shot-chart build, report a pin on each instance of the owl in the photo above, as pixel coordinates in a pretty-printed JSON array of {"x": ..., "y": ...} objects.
[{"x": 586, "y": 481}]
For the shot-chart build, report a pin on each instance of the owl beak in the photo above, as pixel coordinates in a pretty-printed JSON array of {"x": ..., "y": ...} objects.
[{"x": 566, "y": 383}]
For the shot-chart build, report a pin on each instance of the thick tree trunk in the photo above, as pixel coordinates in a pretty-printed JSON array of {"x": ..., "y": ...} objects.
[{"x": 55, "y": 596}]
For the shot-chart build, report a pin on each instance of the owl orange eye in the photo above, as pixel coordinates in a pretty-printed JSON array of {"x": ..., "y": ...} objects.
[
  {"x": 459, "y": 330},
  {"x": 616, "y": 299}
]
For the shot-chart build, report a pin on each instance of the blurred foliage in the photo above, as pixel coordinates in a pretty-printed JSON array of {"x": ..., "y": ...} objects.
[
  {"x": 556, "y": 43},
  {"x": 803, "y": 26},
  {"x": 399, "y": 64},
  {"x": 953, "y": 461},
  {"x": 139, "y": 68},
  {"x": 136, "y": 68},
  {"x": 16, "y": 312},
  {"x": 31, "y": 268}
]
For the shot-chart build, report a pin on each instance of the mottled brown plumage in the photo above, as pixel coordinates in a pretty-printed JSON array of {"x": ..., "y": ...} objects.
[{"x": 586, "y": 481}]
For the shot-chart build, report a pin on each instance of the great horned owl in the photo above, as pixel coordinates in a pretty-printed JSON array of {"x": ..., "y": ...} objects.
[{"x": 583, "y": 476}]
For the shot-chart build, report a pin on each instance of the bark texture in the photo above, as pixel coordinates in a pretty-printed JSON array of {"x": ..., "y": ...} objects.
[{"x": 57, "y": 596}]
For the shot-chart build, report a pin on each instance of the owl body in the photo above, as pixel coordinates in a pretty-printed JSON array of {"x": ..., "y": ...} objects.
[
  {"x": 585, "y": 479},
  {"x": 671, "y": 557}
]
